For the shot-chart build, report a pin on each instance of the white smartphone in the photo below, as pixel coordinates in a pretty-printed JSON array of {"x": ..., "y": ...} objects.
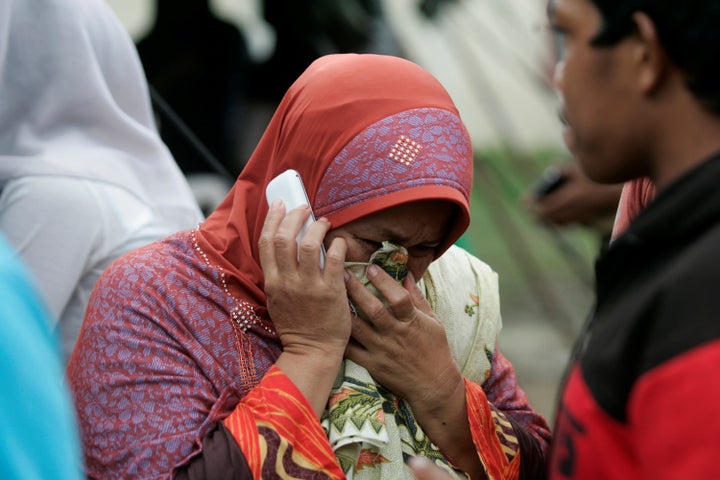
[{"x": 289, "y": 187}]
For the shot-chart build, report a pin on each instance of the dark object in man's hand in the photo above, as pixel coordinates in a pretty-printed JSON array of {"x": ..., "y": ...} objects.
[{"x": 550, "y": 180}]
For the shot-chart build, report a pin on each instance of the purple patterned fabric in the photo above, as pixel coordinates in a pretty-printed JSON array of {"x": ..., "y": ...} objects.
[
  {"x": 367, "y": 168},
  {"x": 504, "y": 394},
  {"x": 157, "y": 364}
]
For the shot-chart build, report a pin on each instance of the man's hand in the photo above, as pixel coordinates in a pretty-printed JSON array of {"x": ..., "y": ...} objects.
[{"x": 578, "y": 200}]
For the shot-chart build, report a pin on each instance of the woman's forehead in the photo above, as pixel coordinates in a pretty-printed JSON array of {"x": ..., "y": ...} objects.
[{"x": 407, "y": 221}]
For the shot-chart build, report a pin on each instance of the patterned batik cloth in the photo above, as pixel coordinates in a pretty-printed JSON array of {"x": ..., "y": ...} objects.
[
  {"x": 391, "y": 258},
  {"x": 373, "y": 432}
]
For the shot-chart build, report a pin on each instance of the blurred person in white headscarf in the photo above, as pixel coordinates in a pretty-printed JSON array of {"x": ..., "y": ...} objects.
[{"x": 84, "y": 175}]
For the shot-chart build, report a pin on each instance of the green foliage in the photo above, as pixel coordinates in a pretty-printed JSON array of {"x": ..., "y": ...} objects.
[{"x": 542, "y": 271}]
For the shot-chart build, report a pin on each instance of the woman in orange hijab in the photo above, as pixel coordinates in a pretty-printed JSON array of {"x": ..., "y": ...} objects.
[{"x": 228, "y": 349}]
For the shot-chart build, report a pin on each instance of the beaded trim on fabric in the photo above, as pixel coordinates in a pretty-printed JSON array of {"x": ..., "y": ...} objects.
[{"x": 243, "y": 314}]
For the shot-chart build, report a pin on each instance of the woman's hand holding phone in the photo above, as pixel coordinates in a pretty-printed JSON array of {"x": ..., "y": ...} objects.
[
  {"x": 289, "y": 187},
  {"x": 308, "y": 305}
]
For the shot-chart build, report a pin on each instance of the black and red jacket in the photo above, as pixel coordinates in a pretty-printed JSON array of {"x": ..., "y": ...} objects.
[{"x": 642, "y": 395}]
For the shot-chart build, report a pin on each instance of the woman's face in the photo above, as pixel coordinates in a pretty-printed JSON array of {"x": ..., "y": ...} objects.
[{"x": 419, "y": 226}]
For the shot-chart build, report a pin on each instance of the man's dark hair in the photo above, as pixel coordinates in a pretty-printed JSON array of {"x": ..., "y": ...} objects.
[{"x": 689, "y": 31}]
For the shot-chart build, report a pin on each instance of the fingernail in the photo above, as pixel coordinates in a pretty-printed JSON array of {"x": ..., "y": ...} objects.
[
  {"x": 420, "y": 463},
  {"x": 346, "y": 275},
  {"x": 276, "y": 204},
  {"x": 372, "y": 270}
]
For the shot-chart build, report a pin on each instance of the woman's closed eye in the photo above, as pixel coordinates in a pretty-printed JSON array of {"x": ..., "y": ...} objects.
[
  {"x": 421, "y": 250},
  {"x": 372, "y": 244}
]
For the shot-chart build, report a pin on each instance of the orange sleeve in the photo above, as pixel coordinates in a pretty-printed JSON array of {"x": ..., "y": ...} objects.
[
  {"x": 493, "y": 436},
  {"x": 276, "y": 428}
]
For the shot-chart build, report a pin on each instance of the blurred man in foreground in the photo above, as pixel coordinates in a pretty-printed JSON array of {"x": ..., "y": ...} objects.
[{"x": 641, "y": 94}]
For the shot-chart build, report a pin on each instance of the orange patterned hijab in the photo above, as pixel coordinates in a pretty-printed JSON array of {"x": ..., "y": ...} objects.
[{"x": 366, "y": 132}]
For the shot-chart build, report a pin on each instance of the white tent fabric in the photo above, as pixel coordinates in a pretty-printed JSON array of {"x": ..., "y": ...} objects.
[{"x": 495, "y": 58}]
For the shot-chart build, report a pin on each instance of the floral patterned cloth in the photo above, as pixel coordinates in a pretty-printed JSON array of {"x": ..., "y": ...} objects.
[
  {"x": 391, "y": 258},
  {"x": 372, "y": 431}
]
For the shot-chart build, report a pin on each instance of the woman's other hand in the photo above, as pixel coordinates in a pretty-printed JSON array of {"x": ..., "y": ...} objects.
[
  {"x": 403, "y": 345},
  {"x": 405, "y": 349}
]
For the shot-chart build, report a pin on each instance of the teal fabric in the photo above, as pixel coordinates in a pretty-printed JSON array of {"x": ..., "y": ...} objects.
[{"x": 38, "y": 432}]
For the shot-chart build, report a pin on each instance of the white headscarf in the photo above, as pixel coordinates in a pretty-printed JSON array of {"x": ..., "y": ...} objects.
[{"x": 74, "y": 102}]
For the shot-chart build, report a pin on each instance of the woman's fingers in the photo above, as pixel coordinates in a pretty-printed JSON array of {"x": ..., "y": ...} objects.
[
  {"x": 280, "y": 251},
  {"x": 335, "y": 263},
  {"x": 416, "y": 295},
  {"x": 311, "y": 245},
  {"x": 364, "y": 300},
  {"x": 284, "y": 239},
  {"x": 275, "y": 215},
  {"x": 399, "y": 299}
]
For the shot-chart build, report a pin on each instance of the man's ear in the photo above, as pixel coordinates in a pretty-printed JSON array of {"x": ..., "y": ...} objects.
[{"x": 650, "y": 57}]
